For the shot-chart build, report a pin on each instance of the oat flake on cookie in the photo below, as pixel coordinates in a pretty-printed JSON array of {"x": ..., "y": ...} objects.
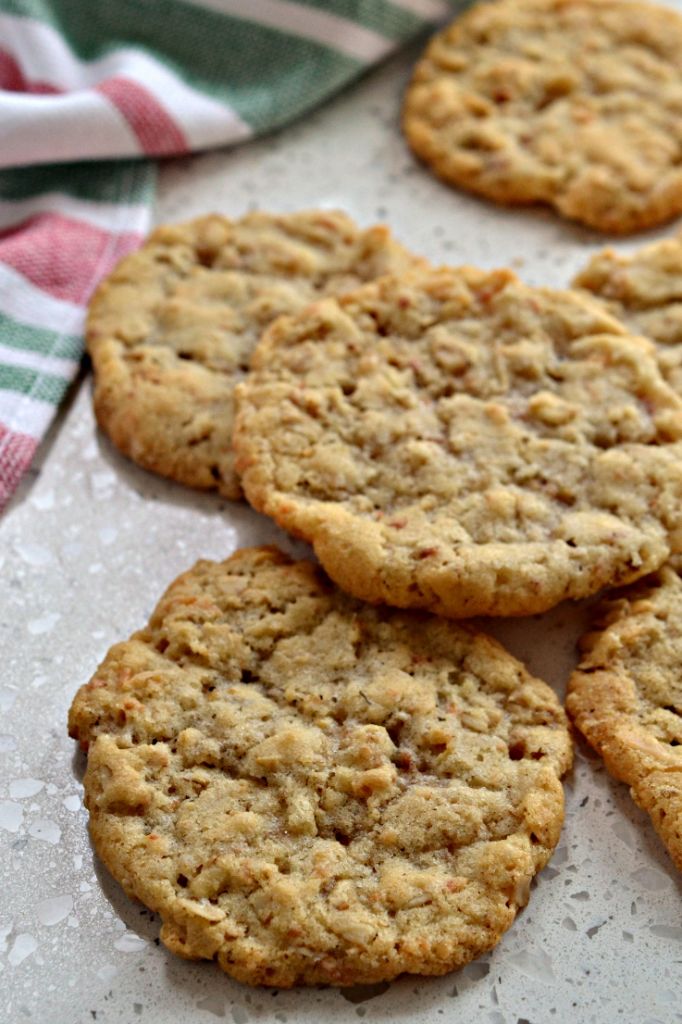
[
  {"x": 626, "y": 695},
  {"x": 171, "y": 331},
  {"x": 311, "y": 790},
  {"x": 644, "y": 290},
  {"x": 458, "y": 441},
  {"x": 572, "y": 103}
]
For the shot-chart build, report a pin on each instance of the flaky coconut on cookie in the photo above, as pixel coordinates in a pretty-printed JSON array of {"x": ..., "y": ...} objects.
[
  {"x": 311, "y": 790},
  {"x": 458, "y": 441}
]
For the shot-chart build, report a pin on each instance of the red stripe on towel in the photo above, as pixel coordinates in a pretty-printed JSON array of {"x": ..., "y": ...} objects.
[
  {"x": 63, "y": 256},
  {"x": 16, "y": 452},
  {"x": 12, "y": 78},
  {"x": 156, "y": 130}
]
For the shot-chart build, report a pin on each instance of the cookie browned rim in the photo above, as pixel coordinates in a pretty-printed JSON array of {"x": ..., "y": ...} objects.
[
  {"x": 308, "y": 789},
  {"x": 171, "y": 331},
  {"x": 458, "y": 441},
  {"x": 626, "y": 696},
  {"x": 644, "y": 290},
  {"x": 571, "y": 103}
]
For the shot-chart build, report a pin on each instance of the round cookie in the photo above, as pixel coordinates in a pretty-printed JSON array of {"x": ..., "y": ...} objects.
[
  {"x": 459, "y": 441},
  {"x": 626, "y": 696},
  {"x": 311, "y": 790},
  {"x": 573, "y": 103},
  {"x": 644, "y": 290},
  {"x": 171, "y": 331}
]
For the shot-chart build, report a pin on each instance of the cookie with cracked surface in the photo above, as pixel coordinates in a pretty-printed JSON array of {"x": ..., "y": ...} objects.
[
  {"x": 626, "y": 696},
  {"x": 644, "y": 290},
  {"x": 308, "y": 789},
  {"x": 571, "y": 103},
  {"x": 171, "y": 331},
  {"x": 458, "y": 441}
]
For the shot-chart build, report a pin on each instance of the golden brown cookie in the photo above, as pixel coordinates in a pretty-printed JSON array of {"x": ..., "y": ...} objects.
[
  {"x": 171, "y": 331},
  {"x": 644, "y": 290},
  {"x": 459, "y": 441},
  {"x": 573, "y": 103},
  {"x": 308, "y": 789},
  {"x": 626, "y": 696}
]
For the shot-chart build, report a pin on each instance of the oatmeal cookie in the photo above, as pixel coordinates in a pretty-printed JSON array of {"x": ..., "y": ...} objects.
[
  {"x": 458, "y": 441},
  {"x": 573, "y": 103},
  {"x": 626, "y": 696},
  {"x": 170, "y": 332},
  {"x": 644, "y": 290},
  {"x": 308, "y": 789}
]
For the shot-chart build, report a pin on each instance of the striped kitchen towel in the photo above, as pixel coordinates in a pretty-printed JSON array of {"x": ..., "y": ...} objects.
[{"x": 88, "y": 89}]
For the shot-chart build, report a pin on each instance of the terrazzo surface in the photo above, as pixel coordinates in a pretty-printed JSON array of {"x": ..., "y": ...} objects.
[{"x": 89, "y": 544}]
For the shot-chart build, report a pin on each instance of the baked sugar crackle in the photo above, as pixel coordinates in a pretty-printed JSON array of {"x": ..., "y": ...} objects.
[
  {"x": 459, "y": 441},
  {"x": 308, "y": 789},
  {"x": 644, "y": 290},
  {"x": 626, "y": 696},
  {"x": 171, "y": 331},
  {"x": 573, "y": 103}
]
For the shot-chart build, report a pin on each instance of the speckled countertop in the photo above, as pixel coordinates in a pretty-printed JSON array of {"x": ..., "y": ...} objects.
[{"x": 86, "y": 549}]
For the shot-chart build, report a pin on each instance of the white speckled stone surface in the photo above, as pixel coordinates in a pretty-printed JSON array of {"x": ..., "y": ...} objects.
[{"x": 91, "y": 541}]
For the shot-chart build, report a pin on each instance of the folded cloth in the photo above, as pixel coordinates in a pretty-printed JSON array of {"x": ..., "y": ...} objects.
[{"x": 118, "y": 83}]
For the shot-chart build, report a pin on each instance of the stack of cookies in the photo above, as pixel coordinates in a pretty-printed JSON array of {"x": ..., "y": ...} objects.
[{"x": 316, "y": 774}]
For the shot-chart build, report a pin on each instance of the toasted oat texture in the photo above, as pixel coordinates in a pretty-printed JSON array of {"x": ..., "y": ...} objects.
[
  {"x": 644, "y": 290},
  {"x": 308, "y": 789},
  {"x": 626, "y": 696},
  {"x": 458, "y": 441},
  {"x": 170, "y": 332},
  {"x": 574, "y": 103}
]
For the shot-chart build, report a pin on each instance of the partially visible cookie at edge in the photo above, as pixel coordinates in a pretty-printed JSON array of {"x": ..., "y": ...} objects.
[
  {"x": 572, "y": 104},
  {"x": 456, "y": 440},
  {"x": 626, "y": 695},
  {"x": 644, "y": 290},
  {"x": 312, "y": 790},
  {"x": 171, "y": 330}
]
